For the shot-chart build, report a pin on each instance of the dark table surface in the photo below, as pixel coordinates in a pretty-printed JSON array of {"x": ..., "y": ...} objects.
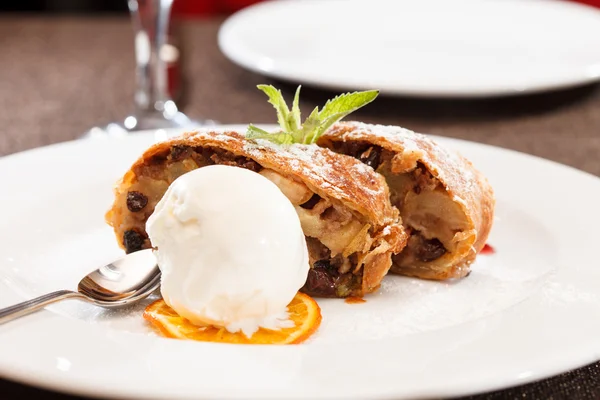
[{"x": 60, "y": 76}]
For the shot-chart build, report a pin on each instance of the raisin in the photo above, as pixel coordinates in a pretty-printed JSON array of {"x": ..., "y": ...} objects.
[
  {"x": 133, "y": 241},
  {"x": 136, "y": 201},
  {"x": 247, "y": 163},
  {"x": 371, "y": 157},
  {"x": 179, "y": 152},
  {"x": 156, "y": 159},
  {"x": 355, "y": 149},
  {"x": 322, "y": 280},
  {"x": 207, "y": 154},
  {"x": 312, "y": 202},
  {"x": 430, "y": 250}
]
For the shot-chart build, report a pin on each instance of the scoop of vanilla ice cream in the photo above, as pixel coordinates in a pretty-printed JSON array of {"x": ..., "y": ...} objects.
[{"x": 230, "y": 248}]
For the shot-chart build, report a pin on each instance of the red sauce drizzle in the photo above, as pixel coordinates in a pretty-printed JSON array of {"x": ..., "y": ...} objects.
[
  {"x": 355, "y": 300},
  {"x": 487, "y": 249}
]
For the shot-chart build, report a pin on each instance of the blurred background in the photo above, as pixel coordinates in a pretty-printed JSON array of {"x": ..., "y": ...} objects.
[
  {"x": 73, "y": 67},
  {"x": 189, "y": 8}
]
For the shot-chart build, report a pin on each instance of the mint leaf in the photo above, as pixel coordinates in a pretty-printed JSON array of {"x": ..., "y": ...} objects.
[
  {"x": 346, "y": 103},
  {"x": 296, "y": 116},
  {"x": 310, "y": 126},
  {"x": 284, "y": 118},
  {"x": 340, "y": 106},
  {"x": 255, "y": 132}
]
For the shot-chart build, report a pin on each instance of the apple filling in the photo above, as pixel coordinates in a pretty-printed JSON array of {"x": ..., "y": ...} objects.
[{"x": 436, "y": 223}]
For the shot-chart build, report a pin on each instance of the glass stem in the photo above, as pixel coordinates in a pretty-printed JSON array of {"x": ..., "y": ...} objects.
[{"x": 151, "y": 26}]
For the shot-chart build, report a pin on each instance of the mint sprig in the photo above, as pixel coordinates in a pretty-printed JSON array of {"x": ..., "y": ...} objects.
[
  {"x": 277, "y": 137},
  {"x": 293, "y": 131}
]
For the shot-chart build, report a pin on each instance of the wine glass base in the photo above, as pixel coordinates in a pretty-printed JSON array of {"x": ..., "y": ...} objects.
[{"x": 136, "y": 123}]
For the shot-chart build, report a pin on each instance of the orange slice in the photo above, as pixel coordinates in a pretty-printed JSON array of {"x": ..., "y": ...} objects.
[{"x": 303, "y": 311}]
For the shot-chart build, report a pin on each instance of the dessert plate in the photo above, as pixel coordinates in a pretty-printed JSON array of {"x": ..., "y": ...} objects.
[
  {"x": 459, "y": 48},
  {"x": 525, "y": 312}
]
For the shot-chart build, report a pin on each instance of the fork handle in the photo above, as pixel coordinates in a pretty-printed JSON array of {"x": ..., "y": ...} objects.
[{"x": 29, "y": 306}]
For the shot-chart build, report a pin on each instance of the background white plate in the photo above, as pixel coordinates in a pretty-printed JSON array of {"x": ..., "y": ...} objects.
[
  {"x": 462, "y": 48},
  {"x": 526, "y": 312}
]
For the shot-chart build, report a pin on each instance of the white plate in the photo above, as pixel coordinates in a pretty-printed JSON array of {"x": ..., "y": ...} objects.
[
  {"x": 462, "y": 48},
  {"x": 526, "y": 312}
]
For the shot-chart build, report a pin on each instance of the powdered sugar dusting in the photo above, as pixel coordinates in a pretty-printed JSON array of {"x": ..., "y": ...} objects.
[
  {"x": 311, "y": 160},
  {"x": 451, "y": 168},
  {"x": 212, "y": 135},
  {"x": 389, "y": 132},
  {"x": 327, "y": 173}
]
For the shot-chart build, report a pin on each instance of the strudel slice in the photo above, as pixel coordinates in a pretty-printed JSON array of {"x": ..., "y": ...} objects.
[{"x": 446, "y": 205}]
